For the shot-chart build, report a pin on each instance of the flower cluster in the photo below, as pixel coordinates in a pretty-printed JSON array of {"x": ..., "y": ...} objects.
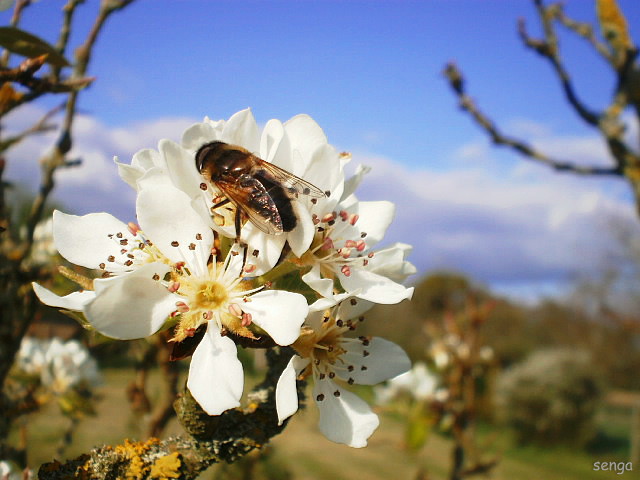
[
  {"x": 53, "y": 369},
  {"x": 59, "y": 365},
  {"x": 198, "y": 262}
]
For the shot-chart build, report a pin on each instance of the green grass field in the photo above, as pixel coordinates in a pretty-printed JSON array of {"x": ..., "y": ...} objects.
[{"x": 307, "y": 455}]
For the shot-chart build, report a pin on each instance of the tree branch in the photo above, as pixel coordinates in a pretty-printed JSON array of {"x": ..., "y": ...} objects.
[
  {"x": 456, "y": 80},
  {"x": 549, "y": 49},
  {"x": 57, "y": 157}
]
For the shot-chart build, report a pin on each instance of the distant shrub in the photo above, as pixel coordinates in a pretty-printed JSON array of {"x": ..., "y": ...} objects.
[{"x": 551, "y": 398}]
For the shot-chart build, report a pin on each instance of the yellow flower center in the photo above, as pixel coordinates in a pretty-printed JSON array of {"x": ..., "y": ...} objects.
[{"x": 210, "y": 296}]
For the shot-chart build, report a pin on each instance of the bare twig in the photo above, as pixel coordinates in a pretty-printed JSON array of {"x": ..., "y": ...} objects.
[
  {"x": 68, "y": 11},
  {"x": 55, "y": 159},
  {"x": 608, "y": 122},
  {"x": 41, "y": 126},
  {"x": 586, "y": 31},
  {"x": 456, "y": 80},
  {"x": 549, "y": 49}
]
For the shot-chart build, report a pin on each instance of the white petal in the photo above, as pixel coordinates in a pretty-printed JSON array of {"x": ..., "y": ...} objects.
[
  {"x": 241, "y": 129},
  {"x": 383, "y": 361},
  {"x": 74, "y": 301},
  {"x": 324, "y": 286},
  {"x": 269, "y": 247},
  {"x": 85, "y": 240},
  {"x": 374, "y": 287},
  {"x": 154, "y": 177},
  {"x": 353, "y": 308},
  {"x": 325, "y": 172},
  {"x": 128, "y": 173},
  {"x": 166, "y": 216},
  {"x": 215, "y": 374},
  {"x": 305, "y": 137},
  {"x": 391, "y": 262},
  {"x": 375, "y": 218},
  {"x": 181, "y": 167},
  {"x": 345, "y": 418},
  {"x": 352, "y": 183},
  {"x": 132, "y": 305},
  {"x": 272, "y": 135},
  {"x": 148, "y": 158},
  {"x": 286, "y": 393},
  {"x": 279, "y": 313},
  {"x": 301, "y": 237},
  {"x": 197, "y": 135}
]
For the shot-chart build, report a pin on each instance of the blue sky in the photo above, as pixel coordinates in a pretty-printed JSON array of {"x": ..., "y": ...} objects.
[{"x": 369, "y": 72}]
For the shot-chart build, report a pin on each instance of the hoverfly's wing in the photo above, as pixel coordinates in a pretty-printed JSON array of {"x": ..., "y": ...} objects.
[
  {"x": 293, "y": 185},
  {"x": 250, "y": 197}
]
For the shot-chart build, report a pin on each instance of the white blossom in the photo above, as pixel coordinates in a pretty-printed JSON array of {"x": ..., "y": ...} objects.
[
  {"x": 342, "y": 251},
  {"x": 168, "y": 273},
  {"x": 419, "y": 382},
  {"x": 60, "y": 365},
  {"x": 332, "y": 359}
]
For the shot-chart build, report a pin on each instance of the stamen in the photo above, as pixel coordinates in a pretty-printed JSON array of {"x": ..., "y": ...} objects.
[
  {"x": 182, "y": 307},
  {"x": 329, "y": 217},
  {"x": 235, "y": 310},
  {"x": 133, "y": 228},
  {"x": 246, "y": 319},
  {"x": 346, "y": 271}
]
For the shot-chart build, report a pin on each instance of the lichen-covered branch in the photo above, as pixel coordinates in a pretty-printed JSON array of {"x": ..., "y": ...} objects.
[{"x": 209, "y": 440}]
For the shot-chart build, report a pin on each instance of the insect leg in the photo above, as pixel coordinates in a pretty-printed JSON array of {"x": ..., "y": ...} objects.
[
  {"x": 238, "y": 225},
  {"x": 220, "y": 203}
]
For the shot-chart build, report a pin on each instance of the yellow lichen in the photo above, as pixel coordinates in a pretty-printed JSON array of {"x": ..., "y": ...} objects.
[
  {"x": 166, "y": 467},
  {"x": 133, "y": 451}
]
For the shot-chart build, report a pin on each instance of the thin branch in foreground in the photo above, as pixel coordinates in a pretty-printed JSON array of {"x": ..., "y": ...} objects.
[{"x": 456, "y": 80}]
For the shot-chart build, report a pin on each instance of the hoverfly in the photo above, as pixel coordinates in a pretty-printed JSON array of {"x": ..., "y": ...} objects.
[{"x": 260, "y": 191}]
